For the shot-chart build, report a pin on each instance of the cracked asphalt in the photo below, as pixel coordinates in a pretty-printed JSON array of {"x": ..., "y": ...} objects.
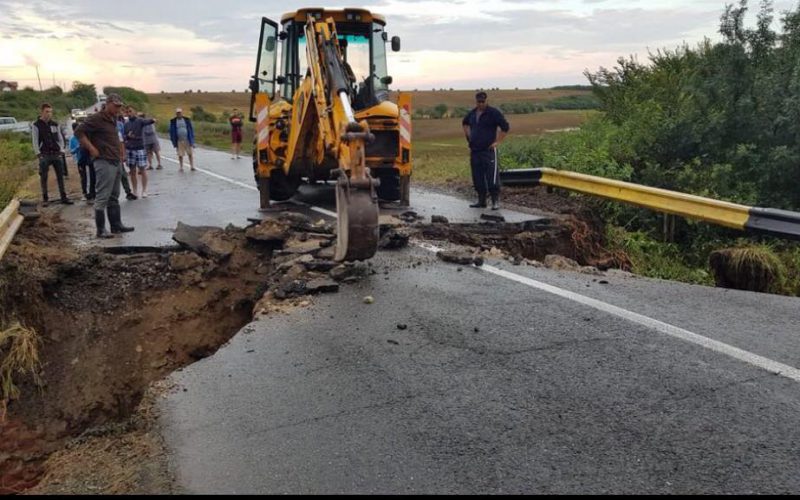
[{"x": 493, "y": 387}]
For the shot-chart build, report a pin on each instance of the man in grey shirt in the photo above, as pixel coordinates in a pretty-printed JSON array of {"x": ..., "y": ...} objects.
[{"x": 181, "y": 133}]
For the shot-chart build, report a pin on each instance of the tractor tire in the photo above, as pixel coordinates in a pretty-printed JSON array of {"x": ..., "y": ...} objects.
[
  {"x": 281, "y": 186},
  {"x": 389, "y": 190}
]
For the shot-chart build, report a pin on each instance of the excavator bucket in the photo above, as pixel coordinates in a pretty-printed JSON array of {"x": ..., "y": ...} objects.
[{"x": 357, "y": 228}]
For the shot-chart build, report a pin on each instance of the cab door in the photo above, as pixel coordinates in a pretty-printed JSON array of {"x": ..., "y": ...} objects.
[{"x": 263, "y": 81}]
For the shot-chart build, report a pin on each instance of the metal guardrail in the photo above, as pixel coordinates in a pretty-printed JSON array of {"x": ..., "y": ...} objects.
[
  {"x": 10, "y": 221},
  {"x": 770, "y": 221}
]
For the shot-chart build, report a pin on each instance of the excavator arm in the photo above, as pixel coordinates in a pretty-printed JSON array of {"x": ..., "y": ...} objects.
[{"x": 328, "y": 127}]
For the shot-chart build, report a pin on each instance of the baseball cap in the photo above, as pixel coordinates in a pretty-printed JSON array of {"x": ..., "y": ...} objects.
[
  {"x": 115, "y": 98},
  {"x": 179, "y": 110}
]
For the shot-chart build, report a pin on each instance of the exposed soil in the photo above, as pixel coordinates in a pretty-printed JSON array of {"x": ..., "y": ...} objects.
[{"x": 111, "y": 324}]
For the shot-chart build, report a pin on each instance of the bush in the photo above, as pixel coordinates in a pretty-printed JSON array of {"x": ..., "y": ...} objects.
[
  {"x": 24, "y": 105},
  {"x": 16, "y": 155},
  {"x": 131, "y": 96},
  {"x": 201, "y": 115}
]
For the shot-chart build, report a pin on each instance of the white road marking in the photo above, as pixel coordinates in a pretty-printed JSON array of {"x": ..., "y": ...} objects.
[
  {"x": 246, "y": 186},
  {"x": 653, "y": 324}
]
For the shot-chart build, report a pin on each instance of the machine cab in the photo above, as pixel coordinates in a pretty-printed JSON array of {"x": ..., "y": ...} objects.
[{"x": 363, "y": 41}]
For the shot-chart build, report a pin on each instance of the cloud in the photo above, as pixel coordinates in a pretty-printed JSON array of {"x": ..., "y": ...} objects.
[{"x": 171, "y": 45}]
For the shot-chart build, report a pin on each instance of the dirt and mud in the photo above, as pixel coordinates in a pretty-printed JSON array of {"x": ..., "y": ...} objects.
[{"x": 112, "y": 323}]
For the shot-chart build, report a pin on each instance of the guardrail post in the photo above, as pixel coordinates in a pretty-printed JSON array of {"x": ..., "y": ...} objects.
[{"x": 10, "y": 221}]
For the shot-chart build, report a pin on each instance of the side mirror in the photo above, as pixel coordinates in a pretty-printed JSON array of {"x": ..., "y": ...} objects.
[
  {"x": 395, "y": 44},
  {"x": 387, "y": 80},
  {"x": 254, "y": 85},
  {"x": 269, "y": 45},
  {"x": 280, "y": 80},
  {"x": 283, "y": 35}
]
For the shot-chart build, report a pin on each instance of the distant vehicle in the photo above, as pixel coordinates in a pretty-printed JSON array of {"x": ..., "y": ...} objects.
[
  {"x": 10, "y": 124},
  {"x": 78, "y": 113},
  {"x": 101, "y": 98}
]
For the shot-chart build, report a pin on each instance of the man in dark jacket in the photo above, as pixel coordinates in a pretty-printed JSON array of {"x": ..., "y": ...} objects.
[
  {"x": 480, "y": 127},
  {"x": 48, "y": 144}
]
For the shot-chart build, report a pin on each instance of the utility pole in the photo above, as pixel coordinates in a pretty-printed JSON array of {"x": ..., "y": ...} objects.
[{"x": 38, "y": 78}]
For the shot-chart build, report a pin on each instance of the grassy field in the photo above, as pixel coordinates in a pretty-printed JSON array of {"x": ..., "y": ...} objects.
[
  {"x": 16, "y": 164},
  {"x": 440, "y": 155},
  {"x": 217, "y": 102}
]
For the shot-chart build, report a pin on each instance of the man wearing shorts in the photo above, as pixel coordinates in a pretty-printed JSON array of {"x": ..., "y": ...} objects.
[
  {"x": 134, "y": 145},
  {"x": 181, "y": 134},
  {"x": 236, "y": 121}
]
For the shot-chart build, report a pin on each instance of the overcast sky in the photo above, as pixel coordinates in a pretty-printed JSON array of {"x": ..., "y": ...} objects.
[{"x": 177, "y": 45}]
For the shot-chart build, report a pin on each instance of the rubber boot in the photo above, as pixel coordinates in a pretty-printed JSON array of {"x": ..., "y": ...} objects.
[
  {"x": 100, "y": 222},
  {"x": 481, "y": 201},
  {"x": 495, "y": 203},
  {"x": 115, "y": 219}
]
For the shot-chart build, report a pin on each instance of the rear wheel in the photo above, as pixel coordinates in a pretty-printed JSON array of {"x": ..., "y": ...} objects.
[{"x": 389, "y": 190}]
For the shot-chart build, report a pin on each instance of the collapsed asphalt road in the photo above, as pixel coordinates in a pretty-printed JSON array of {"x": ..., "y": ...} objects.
[{"x": 459, "y": 380}]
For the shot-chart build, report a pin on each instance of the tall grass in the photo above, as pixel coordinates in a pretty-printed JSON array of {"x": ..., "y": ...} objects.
[
  {"x": 16, "y": 167},
  {"x": 19, "y": 356}
]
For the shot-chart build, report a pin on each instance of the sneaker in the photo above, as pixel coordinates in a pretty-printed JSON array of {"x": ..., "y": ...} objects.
[
  {"x": 67, "y": 201},
  {"x": 495, "y": 205},
  {"x": 144, "y": 194},
  {"x": 131, "y": 196},
  {"x": 159, "y": 167},
  {"x": 150, "y": 167},
  {"x": 478, "y": 205},
  {"x": 193, "y": 169}
]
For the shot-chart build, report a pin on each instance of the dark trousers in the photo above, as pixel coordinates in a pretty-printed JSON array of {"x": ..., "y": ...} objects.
[
  {"x": 88, "y": 179},
  {"x": 44, "y": 170},
  {"x": 485, "y": 172}
]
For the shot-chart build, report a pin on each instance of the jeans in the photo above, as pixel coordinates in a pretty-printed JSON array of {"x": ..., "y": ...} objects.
[
  {"x": 44, "y": 170},
  {"x": 88, "y": 180}
]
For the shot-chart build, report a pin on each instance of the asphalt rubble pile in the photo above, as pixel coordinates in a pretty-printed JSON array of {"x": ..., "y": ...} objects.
[
  {"x": 562, "y": 243},
  {"x": 110, "y": 322}
]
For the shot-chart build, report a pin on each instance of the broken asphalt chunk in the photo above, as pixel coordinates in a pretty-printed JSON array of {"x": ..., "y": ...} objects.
[{"x": 461, "y": 258}]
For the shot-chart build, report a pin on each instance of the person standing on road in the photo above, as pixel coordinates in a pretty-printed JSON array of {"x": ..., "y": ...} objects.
[
  {"x": 134, "y": 145},
  {"x": 48, "y": 145},
  {"x": 480, "y": 127},
  {"x": 100, "y": 137},
  {"x": 126, "y": 184},
  {"x": 181, "y": 134},
  {"x": 151, "y": 144},
  {"x": 237, "y": 121},
  {"x": 85, "y": 166}
]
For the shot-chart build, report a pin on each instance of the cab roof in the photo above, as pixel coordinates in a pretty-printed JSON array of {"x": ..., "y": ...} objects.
[{"x": 339, "y": 16}]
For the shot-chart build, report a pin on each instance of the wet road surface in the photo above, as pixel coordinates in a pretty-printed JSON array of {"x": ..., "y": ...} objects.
[{"x": 521, "y": 380}]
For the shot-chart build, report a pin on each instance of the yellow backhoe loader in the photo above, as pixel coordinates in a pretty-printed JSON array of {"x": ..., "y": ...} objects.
[{"x": 325, "y": 114}]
